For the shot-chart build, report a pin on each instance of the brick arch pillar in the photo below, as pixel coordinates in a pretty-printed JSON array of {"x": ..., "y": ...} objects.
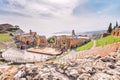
[
  {"x": 113, "y": 33},
  {"x": 119, "y": 33}
]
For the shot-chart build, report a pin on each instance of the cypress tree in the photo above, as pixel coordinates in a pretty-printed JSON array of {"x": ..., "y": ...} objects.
[
  {"x": 109, "y": 28},
  {"x": 116, "y": 24}
]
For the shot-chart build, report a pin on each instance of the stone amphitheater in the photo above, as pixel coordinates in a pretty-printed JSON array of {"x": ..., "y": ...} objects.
[{"x": 23, "y": 56}]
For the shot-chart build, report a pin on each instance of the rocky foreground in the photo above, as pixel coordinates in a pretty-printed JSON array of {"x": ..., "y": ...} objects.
[{"x": 90, "y": 68}]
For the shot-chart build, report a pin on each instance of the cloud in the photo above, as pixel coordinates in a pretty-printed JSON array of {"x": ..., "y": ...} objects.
[
  {"x": 41, "y": 8},
  {"x": 107, "y": 7},
  {"x": 48, "y": 16}
]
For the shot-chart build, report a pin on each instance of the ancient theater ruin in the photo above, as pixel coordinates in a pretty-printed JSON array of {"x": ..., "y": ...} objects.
[
  {"x": 65, "y": 42},
  {"x": 62, "y": 42},
  {"x": 29, "y": 40},
  {"x": 32, "y": 47}
]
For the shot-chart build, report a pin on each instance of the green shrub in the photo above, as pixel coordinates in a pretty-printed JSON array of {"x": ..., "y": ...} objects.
[
  {"x": 12, "y": 29},
  {"x": 51, "y": 40}
]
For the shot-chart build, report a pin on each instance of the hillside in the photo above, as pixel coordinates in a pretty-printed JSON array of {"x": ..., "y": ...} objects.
[
  {"x": 5, "y": 40},
  {"x": 100, "y": 42},
  {"x": 5, "y": 27},
  {"x": 5, "y": 37},
  {"x": 107, "y": 40},
  {"x": 94, "y": 34},
  {"x": 85, "y": 46}
]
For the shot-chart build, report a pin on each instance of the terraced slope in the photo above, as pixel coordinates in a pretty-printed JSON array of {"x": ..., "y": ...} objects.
[
  {"x": 86, "y": 46},
  {"x": 100, "y": 42},
  {"x": 107, "y": 40}
]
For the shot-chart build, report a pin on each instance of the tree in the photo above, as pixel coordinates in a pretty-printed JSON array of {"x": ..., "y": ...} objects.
[
  {"x": 65, "y": 42},
  {"x": 51, "y": 40},
  {"x": 17, "y": 27},
  {"x": 109, "y": 28},
  {"x": 116, "y": 24}
]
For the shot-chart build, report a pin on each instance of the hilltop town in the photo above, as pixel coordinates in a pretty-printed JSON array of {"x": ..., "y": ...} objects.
[{"x": 63, "y": 57}]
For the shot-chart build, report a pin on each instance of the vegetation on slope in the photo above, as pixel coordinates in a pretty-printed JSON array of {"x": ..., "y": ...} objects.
[
  {"x": 5, "y": 37},
  {"x": 85, "y": 46},
  {"x": 107, "y": 40},
  {"x": 100, "y": 42}
]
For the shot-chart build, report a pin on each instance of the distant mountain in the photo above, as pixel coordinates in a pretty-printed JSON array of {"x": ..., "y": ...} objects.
[
  {"x": 62, "y": 33},
  {"x": 12, "y": 30},
  {"x": 5, "y": 27},
  {"x": 92, "y": 34},
  {"x": 95, "y": 34}
]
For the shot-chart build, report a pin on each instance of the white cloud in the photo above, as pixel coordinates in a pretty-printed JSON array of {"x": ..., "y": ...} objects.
[
  {"x": 44, "y": 7},
  {"x": 59, "y": 13}
]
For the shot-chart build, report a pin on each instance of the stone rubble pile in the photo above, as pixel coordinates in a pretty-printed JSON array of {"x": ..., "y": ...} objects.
[{"x": 90, "y": 68}]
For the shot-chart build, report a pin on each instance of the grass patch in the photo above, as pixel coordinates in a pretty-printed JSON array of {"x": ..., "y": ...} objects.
[
  {"x": 107, "y": 40},
  {"x": 85, "y": 46},
  {"x": 5, "y": 37}
]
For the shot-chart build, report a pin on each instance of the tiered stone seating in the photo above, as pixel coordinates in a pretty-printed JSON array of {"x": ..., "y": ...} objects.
[{"x": 14, "y": 55}]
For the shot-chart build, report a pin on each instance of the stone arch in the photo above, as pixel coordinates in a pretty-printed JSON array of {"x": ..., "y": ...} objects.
[
  {"x": 118, "y": 33},
  {"x": 113, "y": 33},
  {"x": 27, "y": 42}
]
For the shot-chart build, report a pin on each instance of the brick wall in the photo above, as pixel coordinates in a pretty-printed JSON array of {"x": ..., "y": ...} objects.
[{"x": 116, "y": 32}]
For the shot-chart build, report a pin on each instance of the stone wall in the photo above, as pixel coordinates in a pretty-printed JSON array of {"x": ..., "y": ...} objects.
[
  {"x": 68, "y": 42},
  {"x": 105, "y": 35},
  {"x": 31, "y": 39},
  {"x": 116, "y": 32}
]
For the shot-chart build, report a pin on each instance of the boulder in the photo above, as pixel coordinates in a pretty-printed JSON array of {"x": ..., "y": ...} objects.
[{"x": 109, "y": 59}]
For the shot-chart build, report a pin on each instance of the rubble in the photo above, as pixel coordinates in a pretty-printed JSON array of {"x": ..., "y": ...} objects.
[{"x": 92, "y": 68}]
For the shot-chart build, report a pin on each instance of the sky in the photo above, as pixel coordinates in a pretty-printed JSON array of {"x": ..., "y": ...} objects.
[{"x": 49, "y": 16}]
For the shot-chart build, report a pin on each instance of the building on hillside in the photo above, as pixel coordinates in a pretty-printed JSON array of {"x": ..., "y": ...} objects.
[
  {"x": 116, "y": 32},
  {"x": 105, "y": 35}
]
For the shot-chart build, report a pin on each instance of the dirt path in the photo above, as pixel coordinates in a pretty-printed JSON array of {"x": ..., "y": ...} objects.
[{"x": 94, "y": 44}]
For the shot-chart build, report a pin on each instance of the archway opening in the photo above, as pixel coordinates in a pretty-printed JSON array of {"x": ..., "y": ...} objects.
[
  {"x": 113, "y": 33},
  {"x": 117, "y": 33}
]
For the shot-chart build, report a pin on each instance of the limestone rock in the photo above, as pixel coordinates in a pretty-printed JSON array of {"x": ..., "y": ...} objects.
[{"x": 92, "y": 68}]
